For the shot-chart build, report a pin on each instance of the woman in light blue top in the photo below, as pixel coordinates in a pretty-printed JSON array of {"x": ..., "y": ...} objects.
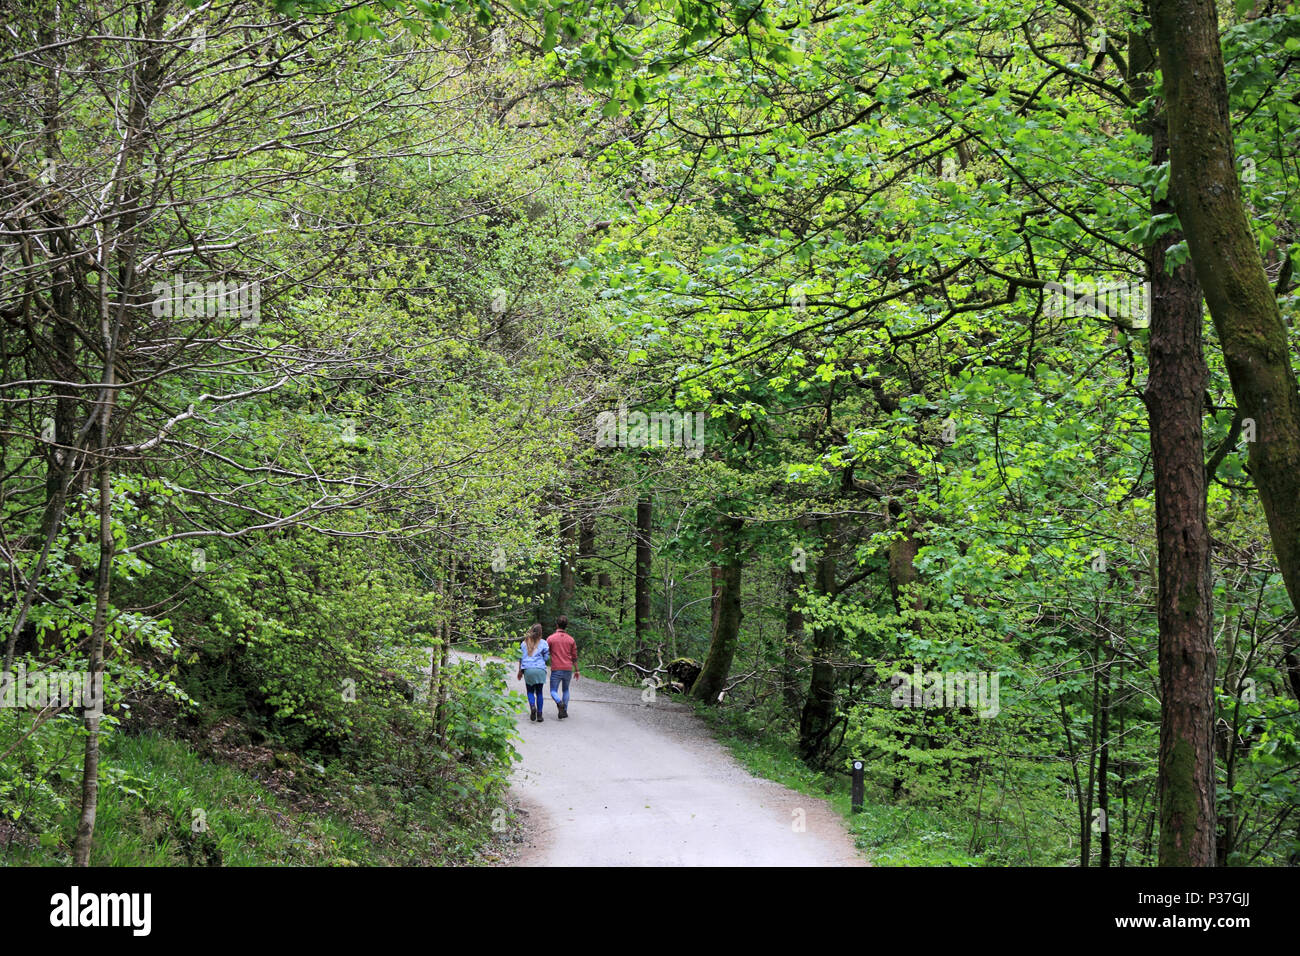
[{"x": 534, "y": 655}]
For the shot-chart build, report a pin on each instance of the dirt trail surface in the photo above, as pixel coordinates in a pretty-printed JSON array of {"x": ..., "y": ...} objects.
[{"x": 625, "y": 783}]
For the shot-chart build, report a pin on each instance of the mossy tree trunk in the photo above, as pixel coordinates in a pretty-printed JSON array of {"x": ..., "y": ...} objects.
[
  {"x": 1207, "y": 197},
  {"x": 817, "y": 719},
  {"x": 727, "y": 614},
  {"x": 1206, "y": 193}
]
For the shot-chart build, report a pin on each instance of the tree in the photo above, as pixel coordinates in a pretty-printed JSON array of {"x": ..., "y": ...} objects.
[
  {"x": 727, "y": 614},
  {"x": 641, "y": 590},
  {"x": 1247, "y": 320},
  {"x": 1174, "y": 398}
]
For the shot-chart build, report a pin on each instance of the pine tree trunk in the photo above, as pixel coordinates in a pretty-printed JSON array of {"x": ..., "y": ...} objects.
[{"x": 1174, "y": 397}]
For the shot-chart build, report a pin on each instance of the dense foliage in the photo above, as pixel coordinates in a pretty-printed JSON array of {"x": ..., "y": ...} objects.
[{"x": 498, "y": 254}]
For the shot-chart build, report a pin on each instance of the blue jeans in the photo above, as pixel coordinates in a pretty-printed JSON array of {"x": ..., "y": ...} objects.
[
  {"x": 534, "y": 681},
  {"x": 560, "y": 678}
]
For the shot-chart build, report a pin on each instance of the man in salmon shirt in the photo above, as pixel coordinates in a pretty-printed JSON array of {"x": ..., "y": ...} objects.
[{"x": 564, "y": 663}]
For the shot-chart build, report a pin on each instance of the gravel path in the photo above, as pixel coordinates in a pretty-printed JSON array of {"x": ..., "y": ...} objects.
[{"x": 626, "y": 783}]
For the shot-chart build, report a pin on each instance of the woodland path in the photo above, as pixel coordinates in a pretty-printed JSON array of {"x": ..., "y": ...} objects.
[{"x": 627, "y": 783}]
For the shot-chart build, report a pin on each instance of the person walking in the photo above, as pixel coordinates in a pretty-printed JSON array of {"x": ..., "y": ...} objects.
[
  {"x": 534, "y": 655},
  {"x": 564, "y": 664}
]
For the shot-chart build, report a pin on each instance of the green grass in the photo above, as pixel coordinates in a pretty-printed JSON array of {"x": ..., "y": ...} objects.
[
  {"x": 888, "y": 834},
  {"x": 161, "y": 804}
]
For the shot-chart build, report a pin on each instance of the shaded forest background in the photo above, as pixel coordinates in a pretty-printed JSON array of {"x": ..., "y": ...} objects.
[{"x": 836, "y": 231}]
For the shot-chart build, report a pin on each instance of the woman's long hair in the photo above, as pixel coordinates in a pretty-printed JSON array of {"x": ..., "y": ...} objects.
[{"x": 533, "y": 637}]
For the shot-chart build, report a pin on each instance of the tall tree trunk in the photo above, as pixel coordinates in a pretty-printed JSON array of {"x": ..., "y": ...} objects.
[
  {"x": 103, "y": 578},
  {"x": 727, "y": 614},
  {"x": 441, "y": 714},
  {"x": 435, "y": 678},
  {"x": 586, "y": 546},
  {"x": 1103, "y": 767},
  {"x": 99, "y": 628},
  {"x": 818, "y": 715},
  {"x": 790, "y": 690},
  {"x": 1094, "y": 748},
  {"x": 1174, "y": 396},
  {"x": 435, "y": 654},
  {"x": 644, "y": 515},
  {"x": 902, "y": 557},
  {"x": 1203, "y": 183},
  {"x": 111, "y": 318},
  {"x": 901, "y": 569},
  {"x": 568, "y": 530}
]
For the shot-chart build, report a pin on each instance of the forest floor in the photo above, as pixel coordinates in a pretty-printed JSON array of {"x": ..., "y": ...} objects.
[{"x": 623, "y": 782}]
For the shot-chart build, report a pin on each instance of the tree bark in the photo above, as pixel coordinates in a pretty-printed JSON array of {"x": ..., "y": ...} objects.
[
  {"x": 641, "y": 601},
  {"x": 586, "y": 546},
  {"x": 568, "y": 581},
  {"x": 794, "y": 627},
  {"x": 435, "y": 656},
  {"x": 99, "y": 628},
  {"x": 1206, "y": 193},
  {"x": 902, "y": 569},
  {"x": 103, "y": 581},
  {"x": 1174, "y": 396},
  {"x": 818, "y": 716},
  {"x": 1103, "y": 769},
  {"x": 111, "y": 319},
  {"x": 727, "y": 615}
]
